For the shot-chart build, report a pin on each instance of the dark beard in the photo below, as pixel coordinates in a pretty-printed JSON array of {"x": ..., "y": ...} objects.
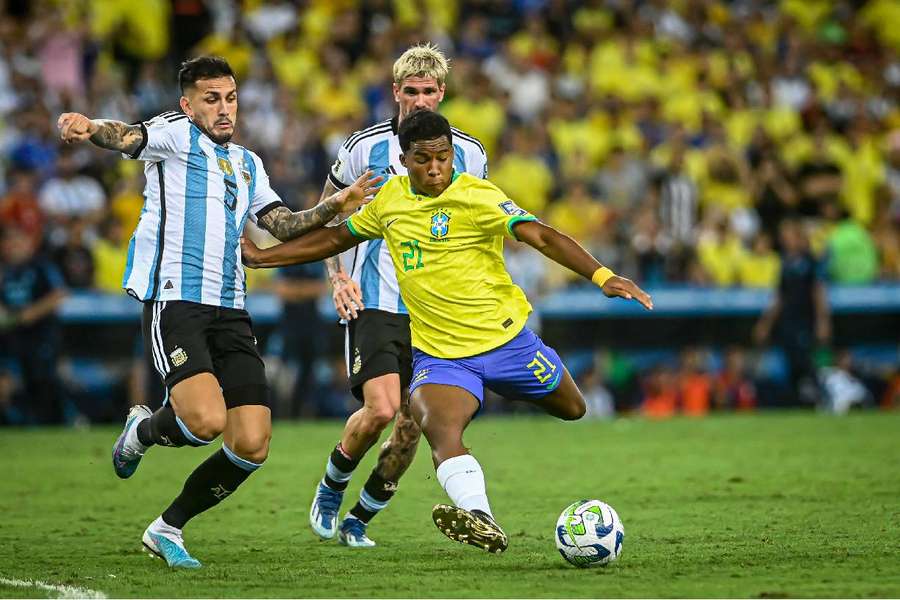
[{"x": 219, "y": 139}]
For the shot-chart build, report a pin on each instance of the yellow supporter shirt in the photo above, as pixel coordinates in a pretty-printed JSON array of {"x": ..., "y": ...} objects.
[
  {"x": 448, "y": 254},
  {"x": 109, "y": 265},
  {"x": 759, "y": 270},
  {"x": 526, "y": 178},
  {"x": 484, "y": 119},
  {"x": 721, "y": 259}
]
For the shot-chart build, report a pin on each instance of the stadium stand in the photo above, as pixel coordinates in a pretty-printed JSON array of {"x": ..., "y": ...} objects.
[{"x": 675, "y": 140}]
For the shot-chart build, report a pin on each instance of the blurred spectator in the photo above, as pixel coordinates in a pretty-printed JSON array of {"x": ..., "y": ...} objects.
[
  {"x": 74, "y": 257},
  {"x": 728, "y": 184},
  {"x": 892, "y": 177},
  {"x": 852, "y": 258},
  {"x": 597, "y": 397},
  {"x": 650, "y": 246},
  {"x": 695, "y": 384},
  {"x": 31, "y": 290},
  {"x": 660, "y": 391},
  {"x": 70, "y": 197},
  {"x": 734, "y": 388},
  {"x": 300, "y": 287},
  {"x": 677, "y": 199},
  {"x": 528, "y": 270},
  {"x": 800, "y": 309},
  {"x": 720, "y": 251},
  {"x": 127, "y": 200},
  {"x": 842, "y": 388},
  {"x": 527, "y": 85},
  {"x": 891, "y": 398},
  {"x": 776, "y": 195},
  {"x": 761, "y": 267},
  {"x": 19, "y": 208},
  {"x": 522, "y": 173},
  {"x": 819, "y": 179},
  {"x": 33, "y": 144},
  {"x": 477, "y": 112},
  {"x": 109, "y": 256},
  {"x": 332, "y": 396},
  {"x": 577, "y": 213},
  {"x": 623, "y": 181},
  {"x": 887, "y": 239}
]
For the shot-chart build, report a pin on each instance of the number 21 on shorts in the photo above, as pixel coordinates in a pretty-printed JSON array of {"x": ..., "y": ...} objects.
[{"x": 543, "y": 369}]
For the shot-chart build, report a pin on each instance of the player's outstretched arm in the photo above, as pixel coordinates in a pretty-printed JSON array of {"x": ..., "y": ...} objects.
[
  {"x": 311, "y": 247},
  {"x": 345, "y": 292},
  {"x": 562, "y": 249},
  {"x": 112, "y": 135},
  {"x": 286, "y": 225}
]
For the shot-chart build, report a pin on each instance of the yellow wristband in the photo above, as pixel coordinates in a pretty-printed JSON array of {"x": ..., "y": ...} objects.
[{"x": 601, "y": 276}]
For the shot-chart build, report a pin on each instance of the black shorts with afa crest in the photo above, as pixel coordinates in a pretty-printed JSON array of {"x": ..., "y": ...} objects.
[
  {"x": 186, "y": 338},
  {"x": 378, "y": 343}
]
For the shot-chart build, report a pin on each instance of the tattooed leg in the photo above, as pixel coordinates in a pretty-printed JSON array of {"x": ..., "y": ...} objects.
[
  {"x": 396, "y": 455},
  {"x": 398, "y": 452}
]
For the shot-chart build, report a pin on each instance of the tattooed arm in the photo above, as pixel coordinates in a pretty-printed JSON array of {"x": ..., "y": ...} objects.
[
  {"x": 112, "y": 135},
  {"x": 345, "y": 292},
  {"x": 286, "y": 225}
]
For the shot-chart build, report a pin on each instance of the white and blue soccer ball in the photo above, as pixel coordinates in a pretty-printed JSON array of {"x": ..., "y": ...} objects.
[{"x": 589, "y": 533}]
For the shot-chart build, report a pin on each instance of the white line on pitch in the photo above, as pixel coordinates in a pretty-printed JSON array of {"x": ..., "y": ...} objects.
[{"x": 62, "y": 591}]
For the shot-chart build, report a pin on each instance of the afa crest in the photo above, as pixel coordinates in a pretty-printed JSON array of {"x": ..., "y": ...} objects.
[
  {"x": 178, "y": 356},
  {"x": 245, "y": 173},
  {"x": 440, "y": 223},
  {"x": 225, "y": 165}
]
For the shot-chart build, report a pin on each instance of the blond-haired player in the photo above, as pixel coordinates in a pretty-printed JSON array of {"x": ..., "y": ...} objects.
[{"x": 367, "y": 298}]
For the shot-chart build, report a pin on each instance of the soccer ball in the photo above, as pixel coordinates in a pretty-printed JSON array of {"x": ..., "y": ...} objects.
[{"x": 589, "y": 533}]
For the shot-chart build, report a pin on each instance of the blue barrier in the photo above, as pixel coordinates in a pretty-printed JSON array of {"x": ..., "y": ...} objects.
[
  {"x": 581, "y": 303},
  {"x": 589, "y": 303}
]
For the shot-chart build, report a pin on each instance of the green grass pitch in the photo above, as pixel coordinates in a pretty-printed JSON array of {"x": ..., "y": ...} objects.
[{"x": 768, "y": 505}]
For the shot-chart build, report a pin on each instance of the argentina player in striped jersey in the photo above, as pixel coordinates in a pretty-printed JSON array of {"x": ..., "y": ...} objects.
[
  {"x": 184, "y": 264},
  {"x": 378, "y": 345}
]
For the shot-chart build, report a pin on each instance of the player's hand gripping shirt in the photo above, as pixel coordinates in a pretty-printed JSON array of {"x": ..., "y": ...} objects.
[
  {"x": 377, "y": 148},
  {"x": 448, "y": 255},
  {"x": 198, "y": 197}
]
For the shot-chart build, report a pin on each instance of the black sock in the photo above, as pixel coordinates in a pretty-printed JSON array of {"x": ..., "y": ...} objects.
[
  {"x": 339, "y": 469},
  {"x": 374, "y": 497},
  {"x": 162, "y": 428},
  {"x": 210, "y": 483}
]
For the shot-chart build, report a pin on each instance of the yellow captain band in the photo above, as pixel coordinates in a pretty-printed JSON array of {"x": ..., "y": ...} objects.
[{"x": 601, "y": 276}]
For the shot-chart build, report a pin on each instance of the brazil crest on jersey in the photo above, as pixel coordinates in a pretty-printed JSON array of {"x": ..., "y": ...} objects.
[{"x": 447, "y": 252}]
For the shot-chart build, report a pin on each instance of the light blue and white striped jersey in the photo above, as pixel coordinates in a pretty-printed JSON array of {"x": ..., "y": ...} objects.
[
  {"x": 197, "y": 198},
  {"x": 377, "y": 149}
]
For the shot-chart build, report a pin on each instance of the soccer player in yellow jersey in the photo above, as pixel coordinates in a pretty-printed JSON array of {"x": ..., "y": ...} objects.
[{"x": 445, "y": 233}]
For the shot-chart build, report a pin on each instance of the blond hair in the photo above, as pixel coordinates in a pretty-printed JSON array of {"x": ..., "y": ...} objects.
[{"x": 422, "y": 60}]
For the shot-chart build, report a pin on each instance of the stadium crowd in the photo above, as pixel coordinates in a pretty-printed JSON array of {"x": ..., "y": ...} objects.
[{"x": 680, "y": 141}]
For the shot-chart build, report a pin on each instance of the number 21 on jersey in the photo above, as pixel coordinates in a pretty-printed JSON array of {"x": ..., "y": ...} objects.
[{"x": 412, "y": 258}]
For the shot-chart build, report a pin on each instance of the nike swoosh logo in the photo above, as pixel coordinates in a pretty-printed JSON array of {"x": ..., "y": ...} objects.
[{"x": 389, "y": 223}]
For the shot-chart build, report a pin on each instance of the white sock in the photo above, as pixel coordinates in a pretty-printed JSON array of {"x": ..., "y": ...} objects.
[
  {"x": 160, "y": 527},
  {"x": 132, "y": 443},
  {"x": 463, "y": 480}
]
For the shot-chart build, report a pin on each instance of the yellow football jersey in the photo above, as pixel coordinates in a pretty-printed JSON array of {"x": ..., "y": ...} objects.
[{"x": 448, "y": 254}]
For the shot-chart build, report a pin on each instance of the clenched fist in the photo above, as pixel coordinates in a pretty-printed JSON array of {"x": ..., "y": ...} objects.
[{"x": 75, "y": 127}]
